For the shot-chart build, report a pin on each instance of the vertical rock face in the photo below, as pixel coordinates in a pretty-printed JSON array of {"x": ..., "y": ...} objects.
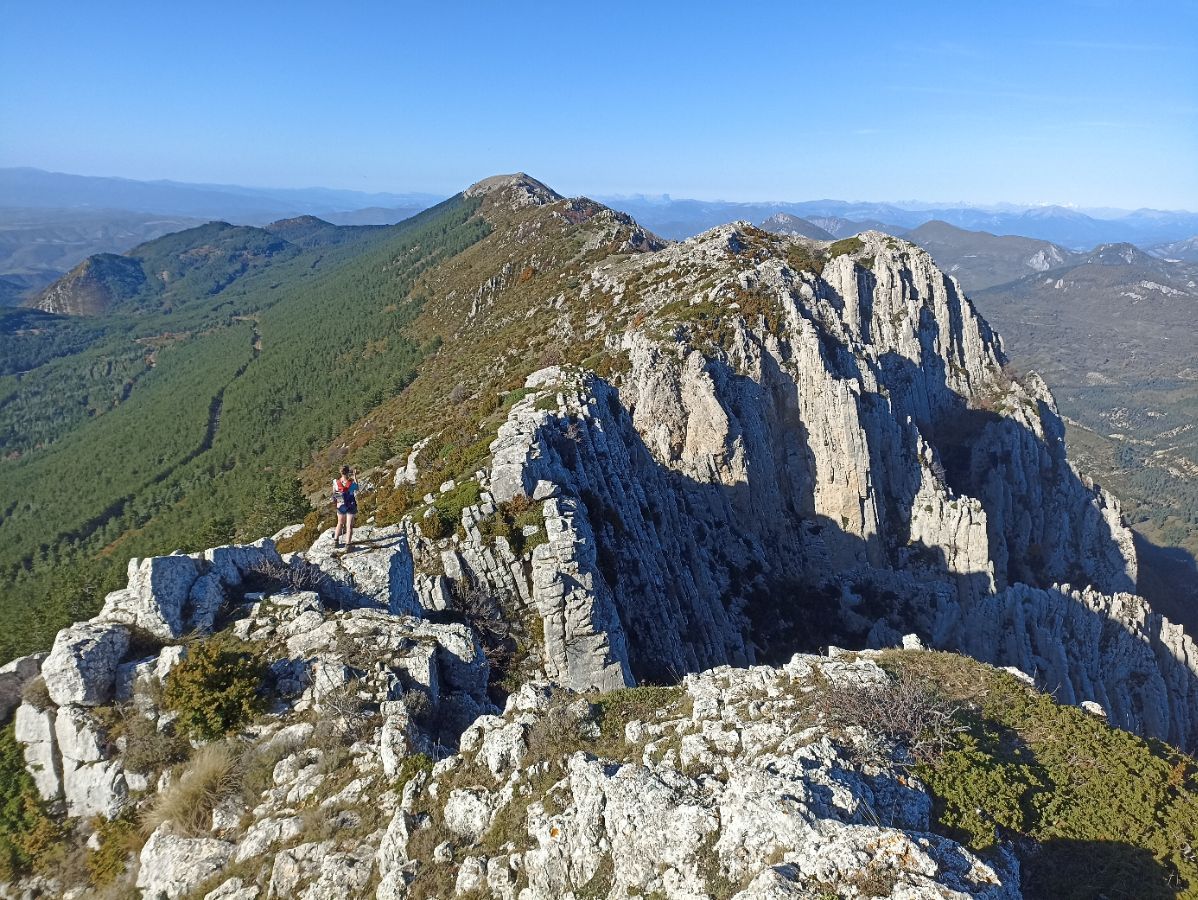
[
  {"x": 34, "y": 730},
  {"x": 853, "y": 443},
  {"x": 584, "y": 639},
  {"x": 1086, "y": 646}
]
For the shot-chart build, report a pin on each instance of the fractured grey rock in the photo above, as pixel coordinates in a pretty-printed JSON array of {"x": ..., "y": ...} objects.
[
  {"x": 34, "y": 731},
  {"x": 171, "y": 866},
  {"x": 14, "y": 676},
  {"x": 81, "y": 667},
  {"x": 156, "y": 597}
]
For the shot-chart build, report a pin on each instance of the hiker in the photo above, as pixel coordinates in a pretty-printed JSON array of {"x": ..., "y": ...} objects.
[{"x": 345, "y": 498}]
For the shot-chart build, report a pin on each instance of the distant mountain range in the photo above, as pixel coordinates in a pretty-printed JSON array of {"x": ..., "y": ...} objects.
[
  {"x": 785, "y": 223},
  {"x": 981, "y": 260},
  {"x": 1067, "y": 227},
  {"x": 1186, "y": 250},
  {"x": 50, "y": 222},
  {"x": 35, "y": 188}
]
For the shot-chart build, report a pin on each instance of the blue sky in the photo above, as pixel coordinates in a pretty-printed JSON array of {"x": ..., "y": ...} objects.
[{"x": 1080, "y": 101}]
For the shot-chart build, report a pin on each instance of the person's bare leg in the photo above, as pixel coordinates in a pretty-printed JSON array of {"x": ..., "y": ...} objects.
[
  {"x": 349, "y": 530},
  {"x": 340, "y": 527}
]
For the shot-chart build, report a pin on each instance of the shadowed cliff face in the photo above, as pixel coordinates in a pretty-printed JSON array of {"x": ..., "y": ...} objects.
[{"x": 838, "y": 460}]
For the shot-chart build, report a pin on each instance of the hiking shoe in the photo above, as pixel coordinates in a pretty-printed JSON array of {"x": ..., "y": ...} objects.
[{"x": 337, "y": 542}]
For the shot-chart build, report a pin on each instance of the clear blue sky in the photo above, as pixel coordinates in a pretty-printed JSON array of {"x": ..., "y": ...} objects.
[{"x": 1078, "y": 101}]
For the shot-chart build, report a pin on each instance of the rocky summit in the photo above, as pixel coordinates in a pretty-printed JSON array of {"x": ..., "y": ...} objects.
[{"x": 667, "y": 623}]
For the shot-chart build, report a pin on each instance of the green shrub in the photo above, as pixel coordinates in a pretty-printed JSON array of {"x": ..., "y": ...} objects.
[
  {"x": 411, "y": 767},
  {"x": 257, "y": 767},
  {"x": 149, "y": 749},
  {"x": 447, "y": 510},
  {"x": 218, "y": 688},
  {"x": 1106, "y": 813},
  {"x": 845, "y": 246},
  {"x": 36, "y": 694},
  {"x": 510, "y": 520},
  {"x": 118, "y": 839}
]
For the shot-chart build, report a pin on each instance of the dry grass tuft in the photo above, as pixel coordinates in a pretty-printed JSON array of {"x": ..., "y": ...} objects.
[{"x": 214, "y": 773}]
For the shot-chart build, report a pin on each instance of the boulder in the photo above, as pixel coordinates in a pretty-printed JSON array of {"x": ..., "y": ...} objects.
[
  {"x": 234, "y": 889},
  {"x": 378, "y": 573},
  {"x": 13, "y": 678},
  {"x": 468, "y": 812},
  {"x": 94, "y": 789},
  {"x": 232, "y": 563},
  {"x": 81, "y": 667},
  {"x": 294, "y": 866},
  {"x": 93, "y": 783},
  {"x": 156, "y": 597},
  {"x": 204, "y": 602},
  {"x": 341, "y": 875},
  {"x": 265, "y": 834},
  {"x": 171, "y": 866}
]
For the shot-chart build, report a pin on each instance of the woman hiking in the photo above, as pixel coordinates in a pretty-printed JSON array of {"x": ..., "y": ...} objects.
[{"x": 345, "y": 498}]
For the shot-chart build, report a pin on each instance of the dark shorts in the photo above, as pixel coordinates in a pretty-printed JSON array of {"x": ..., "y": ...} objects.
[{"x": 344, "y": 508}]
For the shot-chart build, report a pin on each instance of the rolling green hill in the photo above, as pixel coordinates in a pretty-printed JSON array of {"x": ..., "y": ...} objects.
[{"x": 179, "y": 415}]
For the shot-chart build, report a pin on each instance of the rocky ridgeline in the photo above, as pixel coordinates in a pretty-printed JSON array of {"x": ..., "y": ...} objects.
[
  {"x": 778, "y": 460},
  {"x": 729, "y": 786},
  {"x": 725, "y": 787},
  {"x": 358, "y": 629}
]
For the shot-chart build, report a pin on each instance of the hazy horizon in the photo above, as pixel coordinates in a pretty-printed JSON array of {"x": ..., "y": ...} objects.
[
  {"x": 400, "y": 190},
  {"x": 1084, "y": 103}
]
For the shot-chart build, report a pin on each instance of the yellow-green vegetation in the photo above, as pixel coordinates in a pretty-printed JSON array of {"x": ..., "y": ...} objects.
[
  {"x": 117, "y": 839},
  {"x": 846, "y": 246},
  {"x": 617, "y": 708},
  {"x": 149, "y": 749},
  {"x": 447, "y": 510},
  {"x": 511, "y": 519},
  {"x": 28, "y": 836},
  {"x": 410, "y": 767},
  {"x": 803, "y": 258},
  {"x": 1112, "y": 814},
  {"x": 218, "y": 688},
  {"x": 711, "y": 323}
]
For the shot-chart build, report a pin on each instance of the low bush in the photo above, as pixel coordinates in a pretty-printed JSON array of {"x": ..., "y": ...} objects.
[
  {"x": 257, "y": 767},
  {"x": 846, "y": 246},
  {"x": 1092, "y": 810},
  {"x": 447, "y": 510},
  {"x": 219, "y": 687},
  {"x": 36, "y": 695},
  {"x": 410, "y": 767},
  {"x": 906, "y": 710},
  {"x": 510, "y": 520},
  {"x": 149, "y": 749},
  {"x": 274, "y": 578}
]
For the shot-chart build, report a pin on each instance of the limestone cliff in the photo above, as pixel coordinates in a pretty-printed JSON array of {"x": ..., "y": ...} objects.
[{"x": 772, "y": 446}]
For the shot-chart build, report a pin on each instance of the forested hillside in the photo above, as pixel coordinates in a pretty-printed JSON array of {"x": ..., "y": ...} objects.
[
  {"x": 1113, "y": 334},
  {"x": 179, "y": 417}
]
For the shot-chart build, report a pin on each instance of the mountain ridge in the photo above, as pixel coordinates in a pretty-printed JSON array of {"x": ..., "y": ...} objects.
[{"x": 623, "y": 501}]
